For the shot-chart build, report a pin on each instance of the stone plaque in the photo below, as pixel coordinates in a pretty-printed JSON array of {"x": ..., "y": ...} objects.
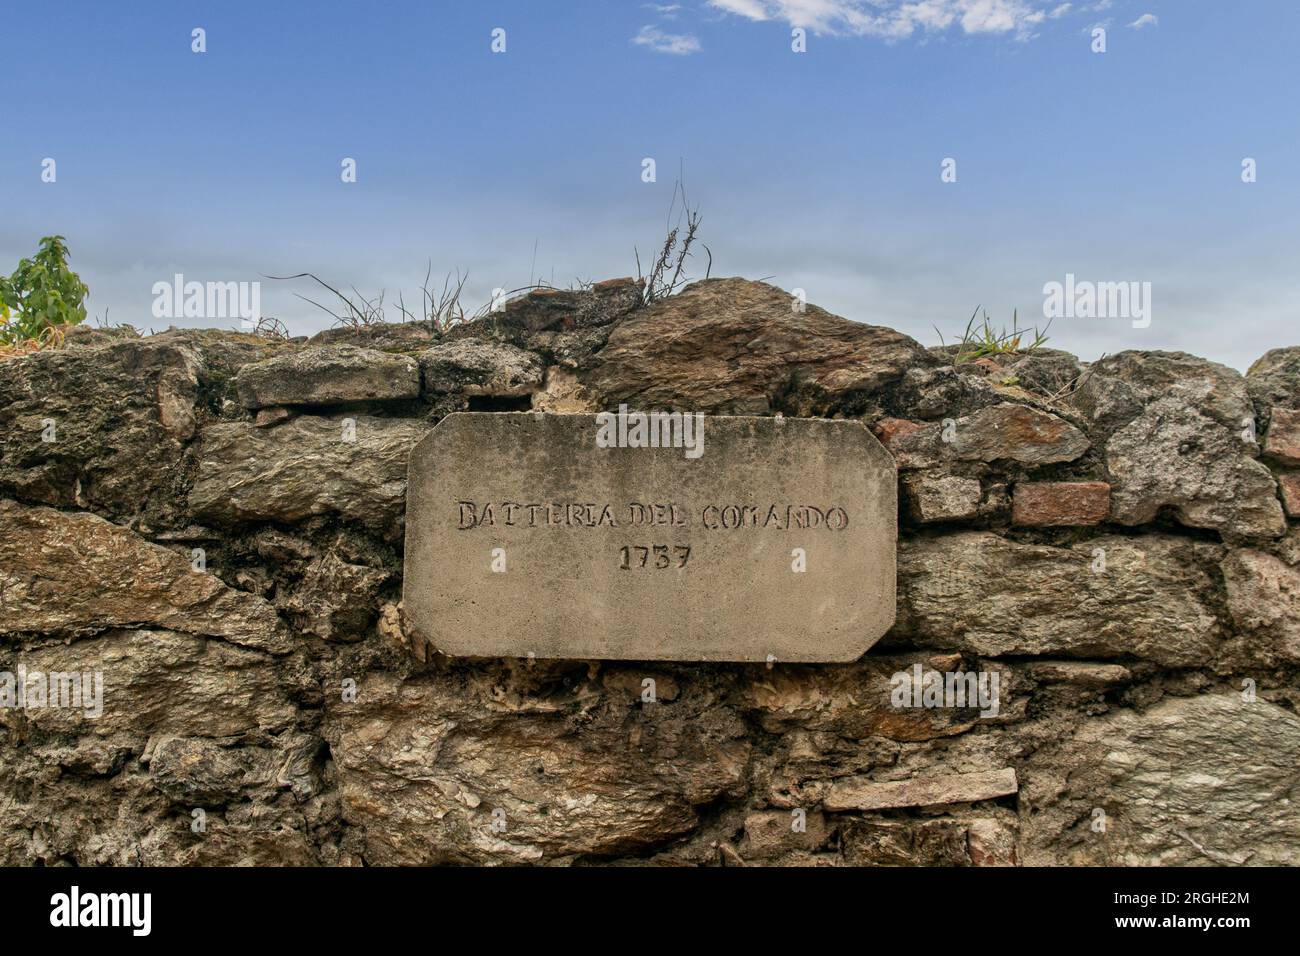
[{"x": 755, "y": 539}]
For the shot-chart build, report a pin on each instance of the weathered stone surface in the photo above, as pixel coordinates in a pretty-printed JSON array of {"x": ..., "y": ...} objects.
[
  {"x": 857, "y": 794},
  {"x": 563, "y": 394},
  {"x": 1060, "y": 503},
  {"x": 1264, "y": 600},
  {"x": 86, "y": 335},
  {"x": 187, "y": 723},
  {"x": 947, "y": 391},
  {"x": 853, "y": 702},
  {"x": 160, "y": 682},
  {"x": 1084, "y": 673},
  {"x": 69, "y": 573},
  {"x": 331, "y": 375},
  {"x": 1008, "y": 431},
  {"x": 991, "y": 841},
  {"x": 771, "y": 833},
  {"x": 76, "y": 424},
  {"x": 1282, "y": 443},
  {"x": 1289, "y": 484},
  {"x": 475, "y": 367},
  {"x": 223, "y": 353},
  {"x": 1123, "y": 383},
  {"x": 335, "y": 600},
  {"x": 1178, "y": 434},
  {"x": 981, "y": 593},
  {"x": 267, "y": 417},
  {"x": 1041, "y": 376},
  {"x": 739, "y": 347},
  {"x": 933, "y": 498},
  {"x": 1274, "y": 381},
  {"x": 565, "y": 326},
  {"x": 892, "y": 432},
  {"x": 199, "y": 771},
  {"x": 354, "y": 468},
  {"x": 1207, "y": 780},
  {"x": 1045, "y": 372},
  {"x": 445, "y": 759},
  {"x": 909, "y": 842},
  {"x": 384, "y": 336},
  {"x": 1172, "y": 456},
  {"x": 719, "y": 535}
]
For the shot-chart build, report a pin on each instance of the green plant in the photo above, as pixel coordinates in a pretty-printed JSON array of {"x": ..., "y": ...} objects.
[
  {"x": 984, "y": 340},
  {"x": 41, "y": 297}
]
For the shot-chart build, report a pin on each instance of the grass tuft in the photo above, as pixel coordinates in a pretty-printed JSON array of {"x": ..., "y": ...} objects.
[{"x": 985, "y": 340}]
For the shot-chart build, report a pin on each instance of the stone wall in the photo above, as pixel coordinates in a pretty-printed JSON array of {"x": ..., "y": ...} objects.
[{"x": 214, "y": 521}]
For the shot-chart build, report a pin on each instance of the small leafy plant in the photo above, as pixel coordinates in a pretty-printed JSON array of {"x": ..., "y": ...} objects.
[
  {"x": 42, "y": 298},
  {"x": 984, "y": 340}
]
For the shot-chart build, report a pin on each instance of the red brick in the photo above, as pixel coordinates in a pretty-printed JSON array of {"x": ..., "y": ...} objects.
[{"x": 1059, "y": 503}]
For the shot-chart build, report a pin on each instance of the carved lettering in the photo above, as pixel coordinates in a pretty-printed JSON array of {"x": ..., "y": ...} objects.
[{"x": 651, "y": 514}]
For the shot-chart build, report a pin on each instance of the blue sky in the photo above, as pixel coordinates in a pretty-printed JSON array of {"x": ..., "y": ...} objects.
[{"x": 820, "y": 169}]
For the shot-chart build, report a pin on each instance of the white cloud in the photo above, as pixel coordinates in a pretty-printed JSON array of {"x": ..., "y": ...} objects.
[
  {"x": 668, "y": 11},
  {"x": 677, "y": 44},
  {"x": 753, "y": 9},
  {"x": 1146, "y": 20},
  {"x": 897, "y": 19}
]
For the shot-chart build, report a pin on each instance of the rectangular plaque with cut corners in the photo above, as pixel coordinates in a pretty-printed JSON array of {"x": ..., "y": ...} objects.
[{"x": 525, "y": 538}]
